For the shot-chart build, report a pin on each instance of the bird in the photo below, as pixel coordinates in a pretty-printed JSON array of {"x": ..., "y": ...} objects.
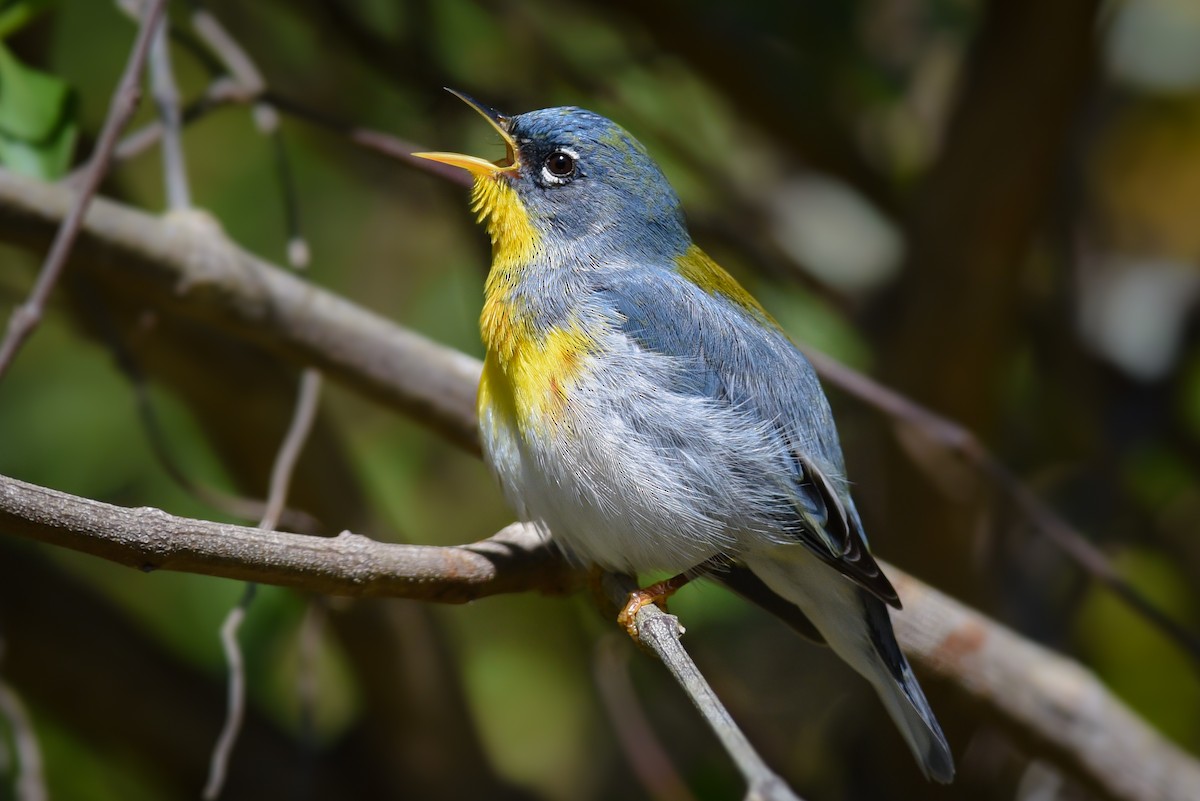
[{"x": 644, "y": 410}]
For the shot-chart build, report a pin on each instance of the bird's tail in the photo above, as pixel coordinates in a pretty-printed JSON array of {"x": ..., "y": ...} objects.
[{"x": 856, "y": 625}]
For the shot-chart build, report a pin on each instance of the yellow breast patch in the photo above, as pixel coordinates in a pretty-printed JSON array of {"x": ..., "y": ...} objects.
[
  {"x": 527, "y": 375},
  {"x": 530, "y": 382}
]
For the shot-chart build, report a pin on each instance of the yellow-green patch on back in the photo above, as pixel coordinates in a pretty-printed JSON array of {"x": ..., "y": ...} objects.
[{"x": 698, "y": 267}]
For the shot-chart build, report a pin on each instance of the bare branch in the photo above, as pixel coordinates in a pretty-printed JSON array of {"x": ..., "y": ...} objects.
[
  {"x": 307, "y": 688},
  {"x": 516, "y": 559},
  {"x": 27, "y": 316},
  {"x": 193, "y": 269},
  {"x": 235, "y": 702},
  {"x": 1048, "y": 700},
  {"x": 384, "y": 144},
  {"x": 307, "y": 401},
  {"x": 166, "y": 98},
  {"x": 1051, "y": 702},
  {"x": 956, "y": 439},
  {"x": 31, "y": 778},
  {"x": 660, "y": 632},
  {"x": 232, "y": 55}
]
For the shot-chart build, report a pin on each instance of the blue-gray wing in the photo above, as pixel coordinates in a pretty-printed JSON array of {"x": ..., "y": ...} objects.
[{"x": 737, "y": 356}]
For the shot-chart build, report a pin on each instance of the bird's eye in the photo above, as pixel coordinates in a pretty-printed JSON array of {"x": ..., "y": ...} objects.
[{"x": 560, "y": 165}]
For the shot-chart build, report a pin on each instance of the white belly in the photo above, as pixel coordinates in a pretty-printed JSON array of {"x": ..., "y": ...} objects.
[{"x": 631, "y": 479}]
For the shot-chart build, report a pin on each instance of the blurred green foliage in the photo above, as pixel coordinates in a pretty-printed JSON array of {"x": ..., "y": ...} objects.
[{"x": 37, "y": 110}]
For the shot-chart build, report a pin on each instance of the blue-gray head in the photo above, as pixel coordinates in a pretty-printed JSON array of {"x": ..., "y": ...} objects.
[{"x": 570, "y": 174}]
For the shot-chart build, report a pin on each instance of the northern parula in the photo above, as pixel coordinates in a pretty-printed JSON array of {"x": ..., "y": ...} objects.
[{"x": 645, "y": 410}]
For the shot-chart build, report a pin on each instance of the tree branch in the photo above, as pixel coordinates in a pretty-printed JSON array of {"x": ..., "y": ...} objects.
[
  {"x": 1046, "y": 699},
  {"x": 190, "y": 267},
  {"x": 514, "y": 560},
  {"x": 193, "y": 269},
  {"x": 956, "y": 439},
  {"x": 660, "y": 632}
]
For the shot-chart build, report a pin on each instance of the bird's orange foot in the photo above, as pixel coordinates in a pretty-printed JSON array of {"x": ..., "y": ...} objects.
[{"x": 656, "y": 593}]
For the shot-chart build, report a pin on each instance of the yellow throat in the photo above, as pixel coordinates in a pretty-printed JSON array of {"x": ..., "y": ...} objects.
[
  {"x": 527, "y": 375},
  {"x": 515, "y": 245}
]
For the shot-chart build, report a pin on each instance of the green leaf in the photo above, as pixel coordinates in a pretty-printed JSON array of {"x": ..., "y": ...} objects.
[
  {"x": 32, "y": 102},
  {"x": 16, "y": 14},
  {"x": 37, "y": 119},
  {"x": 46, "y": 160}
]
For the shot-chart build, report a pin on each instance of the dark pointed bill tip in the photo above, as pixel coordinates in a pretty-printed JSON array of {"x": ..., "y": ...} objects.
[
  {"x": 473, "y": 164},
  {"x": 495, "y": 117}
]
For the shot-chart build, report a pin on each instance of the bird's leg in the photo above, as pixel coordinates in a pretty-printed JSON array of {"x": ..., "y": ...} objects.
[{"x": 656, "y": 593}]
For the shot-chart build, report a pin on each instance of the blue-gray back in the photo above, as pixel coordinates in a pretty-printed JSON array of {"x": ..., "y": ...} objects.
[{"x": 735, "y": 357}]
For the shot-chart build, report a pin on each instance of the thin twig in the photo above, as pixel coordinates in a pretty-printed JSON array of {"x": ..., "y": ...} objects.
[
  {"x": 305, "y": 413},
  {"x": 235, "y": 704},
  {"x": 227, "y": 50},
  {"x": 660, "y": 632},
  {"x": 252, "y": 86},
  {"x": 166, "y": 98},
  {"x": 384, "y": 144},
  {"x": 220, "y": 93},
  {"x": 25, "y": 318},
  {"x": 298, "y": 253},
  {"x": 31, "y": 778},
  {"x": 307, "y": 402},
  {"x": 1080, "y": 550}
]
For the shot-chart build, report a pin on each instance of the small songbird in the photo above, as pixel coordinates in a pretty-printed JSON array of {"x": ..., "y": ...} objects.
[{"x": 645, "y": 410}]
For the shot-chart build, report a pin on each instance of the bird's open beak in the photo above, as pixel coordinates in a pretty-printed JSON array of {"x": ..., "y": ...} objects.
[{"x": 474, "y": 164}]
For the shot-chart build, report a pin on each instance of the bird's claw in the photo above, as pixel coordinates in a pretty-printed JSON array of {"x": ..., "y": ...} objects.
[
  {"x": 637, "y": 599},
  {"x": 656, "y": 593}
]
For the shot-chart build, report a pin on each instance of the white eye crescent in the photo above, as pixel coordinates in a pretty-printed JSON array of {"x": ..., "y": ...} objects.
[{"x": 559, "y": 167}]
